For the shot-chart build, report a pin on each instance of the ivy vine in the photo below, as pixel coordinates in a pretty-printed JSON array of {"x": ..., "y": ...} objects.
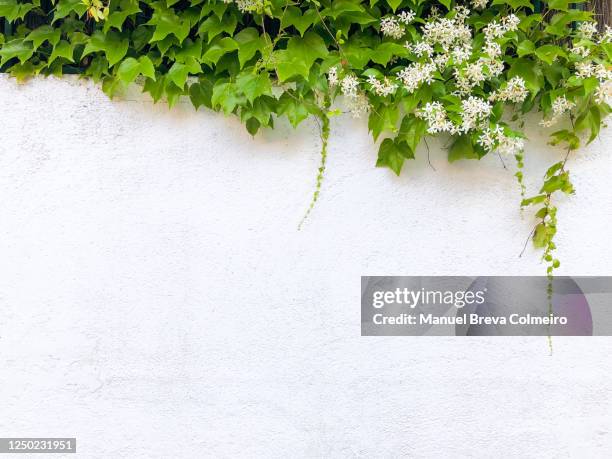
[{"x": 465, "y": 70}]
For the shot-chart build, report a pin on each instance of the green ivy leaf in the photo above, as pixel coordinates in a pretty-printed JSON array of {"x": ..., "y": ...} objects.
[
  {"x": 525, "y": 47},
  {"x": 19, "y": 48},
  {"x": 252, "y": 125},
  {"x": 167, "y": 22},
  {"x": 262, "y": 109},
  {"x": 390, "y": 155},
  {"x": 117, "y": 18},
  {"x": 530, "y": 72},
  {"x": 146, "y": 67},
  {"x": 128, "y": 70},
  {"x": 548, "y": 53},
  {"x": 254, "y": 85},
  {"x": 462, "y": 148},
  {"x": 412, "y": 131},
  {"x": 218, "y": 49},
  {"x": 249, "y": 43},
  {"x": 299, "y": 56},
  {"x": 572, "y": 140},
  {"x": 383, "y": 118},
  {"x": 534, "y": 200},
  {"x": 111, "y": 43},
  {"x": 214, "y": 26},
  {"x": 200, "y": 93},
  {"x": 225, "y": 96},
  {"x": 64, "y": 50},
  {"x": 541, "y": 236},
  {"x": 387, "y": 51},
  {"x": 590, "y": 120},
  {"x": 292, "y": 108},
  {"x": 65, "y": 7},
  {"x": 11, "y": 10},
  {"x": 514, "y": 4},
  {"x": 155, "y": 88},
  {"x": 44, "y": 33},
  {"x": 21, "y": 72},
  {"x": 293, "y": 16}
]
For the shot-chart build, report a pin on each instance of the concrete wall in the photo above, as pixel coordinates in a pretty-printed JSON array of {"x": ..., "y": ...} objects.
[{"x": 157, "y": 300}]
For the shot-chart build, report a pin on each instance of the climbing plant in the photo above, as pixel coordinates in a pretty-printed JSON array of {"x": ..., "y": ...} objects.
[{"x": 466, "y": 70}]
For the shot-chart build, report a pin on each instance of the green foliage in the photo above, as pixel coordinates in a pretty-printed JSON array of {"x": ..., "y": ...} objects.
[{"x": 262, "y": 60}]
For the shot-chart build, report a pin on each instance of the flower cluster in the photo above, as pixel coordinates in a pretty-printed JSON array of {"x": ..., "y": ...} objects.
[
  {"x": 382, "y": 88},
  {"x": 479, "y": 4},
  {"x": 559, "y": 106},
  {"x": 349, "y": 85},
  {"x": 436, "y": 117},
  {"x": 587, "y": 29},
  {"x": 392, "y": 26},
  {"x": 475, "y": 112},
  {"x": 495, "y": 139},
  {"x": 446, "y": 47},
  {"x": 415, "y": 74},
  {"x": 247, "y": 6},
  {"x": 358, "y": 103},
  {"x": 332, "y": 77},
  {"x": 514, "y": 91},
  {"x": 603, "y": 94}
]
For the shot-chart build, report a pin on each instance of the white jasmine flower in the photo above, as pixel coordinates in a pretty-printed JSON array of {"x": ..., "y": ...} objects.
[
  {"x": 581, "y": 51},
  {"x": 495, "y": 67},
  {"x": 464, "y": 86},
  {"x": 391, "y": 28},
  {"x": 510, "y": 23},
  {"x": 606, "y": 36},
  {"x": 462, "y": 53},
  {"x": 493, "y": 49},
  {"x": 415, "y": 74},
  {"x": 487, "y": 140},
  {"x": 585, "y": 69},
  {"x": 406, "y": 17},
  {"x": 603, "y": 94},
  {"x": 587, "y": 29},
  {"x": 559, "y": 106},
  {"x": 479, "y": 4},
  {"x": 384, "y": 88},
  {"x": 421, "y": 48},
  {"x": 461, "y": 13},
  {"x": 514, "y": 91},
  {"x": 435, "y": 116},
  {"x": 358, "y": 104},
  {"x": 475, "y": 73},
  {"x": 446, "y": 32},
  {"x": 247, "y": 6},
  {"x": 441, "y": 60},
  {"x": 474, "y": 111},
  {"x": 332, "y": 77},
  {"x": 510, "y": 145},
  {"x": 493, "y": 30},
  {"x": 349, "y": 85},
  {"x": 496, "y": 139},
  {"x": 602, "y": 73}
]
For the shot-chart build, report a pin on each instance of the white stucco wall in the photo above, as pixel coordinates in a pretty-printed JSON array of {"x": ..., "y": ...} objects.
[{"x": 156, "y": 299}]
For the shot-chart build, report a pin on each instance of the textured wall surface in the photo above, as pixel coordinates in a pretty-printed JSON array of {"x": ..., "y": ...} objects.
[{"x": 157, "y": 300}]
